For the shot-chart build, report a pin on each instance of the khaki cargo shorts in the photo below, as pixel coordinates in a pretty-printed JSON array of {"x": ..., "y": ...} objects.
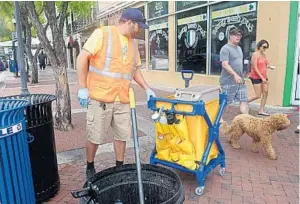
[{"x": 116, "y": 115}]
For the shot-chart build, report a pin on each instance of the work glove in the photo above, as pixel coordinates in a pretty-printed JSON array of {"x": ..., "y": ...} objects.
[
  {"x": 149, "y": 93},
  {"x": 83, "y": 97}
]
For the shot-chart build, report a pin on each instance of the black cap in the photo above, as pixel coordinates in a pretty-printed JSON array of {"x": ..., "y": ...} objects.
[
  {"x": 136, "y": 15},
  {"x": 235, "y": 31}
]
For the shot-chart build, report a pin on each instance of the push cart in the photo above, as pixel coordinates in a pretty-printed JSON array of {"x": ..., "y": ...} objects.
[{"x": 187, "y": 130}]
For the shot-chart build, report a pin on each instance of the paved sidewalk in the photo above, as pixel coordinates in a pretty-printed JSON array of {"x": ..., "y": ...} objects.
[{"x": 250, "y": 177}]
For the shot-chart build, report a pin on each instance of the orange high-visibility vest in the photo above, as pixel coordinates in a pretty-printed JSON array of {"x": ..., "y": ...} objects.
[{"x": 108, "y": 76}]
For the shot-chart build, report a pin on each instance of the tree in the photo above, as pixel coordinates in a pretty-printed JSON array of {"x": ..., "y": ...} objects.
[
  {"x": 55, "y": 13},
  {"x": 6, "y": 25},
  {"x": 29, "y": 30},
  {"x": 7, "y": 8}
]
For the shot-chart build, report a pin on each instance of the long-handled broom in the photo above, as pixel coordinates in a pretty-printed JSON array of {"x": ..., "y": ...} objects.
[{"x": 136, "y": 145}]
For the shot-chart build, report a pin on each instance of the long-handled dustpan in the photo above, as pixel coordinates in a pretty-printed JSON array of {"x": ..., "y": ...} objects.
[{"x": 136, "y": 145}]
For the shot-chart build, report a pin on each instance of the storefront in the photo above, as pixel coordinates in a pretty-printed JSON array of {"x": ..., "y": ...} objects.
[
  {"x": 188, "y": 35},
  {"x": 296, "y": 74}
]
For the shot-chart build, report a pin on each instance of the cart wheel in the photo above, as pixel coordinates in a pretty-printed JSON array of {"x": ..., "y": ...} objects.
[
  {"x": 222, "y": 171},
  {"x": 199, "y": 190}
]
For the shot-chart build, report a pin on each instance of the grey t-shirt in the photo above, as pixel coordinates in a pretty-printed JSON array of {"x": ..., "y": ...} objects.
[{"x": 234, "y": 56}]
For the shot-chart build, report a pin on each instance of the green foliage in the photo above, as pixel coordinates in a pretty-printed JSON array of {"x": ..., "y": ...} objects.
[
  {"x": 7, "y": 9},
  {"x": 81, "y": 8},
  {"x": 39, "y": 7},
  {"x": 6, "y": 24}
]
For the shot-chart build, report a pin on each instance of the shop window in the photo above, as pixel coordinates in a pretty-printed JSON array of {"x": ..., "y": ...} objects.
[
  {"x": 181, "y": 5},
  {"x": 157, "y": 9},
  {"x": 158, "y": 44},
  {"x": 142, "y": 43},
  {"x": 225, "y": 16},
  {"x": 191, "y": 40}
]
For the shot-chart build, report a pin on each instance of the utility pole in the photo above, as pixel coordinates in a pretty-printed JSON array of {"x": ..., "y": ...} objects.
[
  {"x": 14, "y": 40},
  {"x": 21, "y": 63}
]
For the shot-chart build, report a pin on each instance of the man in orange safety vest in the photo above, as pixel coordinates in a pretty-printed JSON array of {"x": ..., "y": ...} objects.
[{"x": 106, "y": 66}]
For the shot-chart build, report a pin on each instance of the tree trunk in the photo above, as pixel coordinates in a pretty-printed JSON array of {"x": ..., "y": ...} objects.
[
  {"x": 35, "y": 69},
  {"x": 63, "y": 119},
  {"x": 34, "y": 72},
  {"x": 32, "y": 59},
  {"x": 55, "y": 54}
]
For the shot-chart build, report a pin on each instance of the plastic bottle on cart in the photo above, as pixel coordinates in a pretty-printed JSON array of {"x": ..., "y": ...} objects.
[{"x": 164, "y": 124}]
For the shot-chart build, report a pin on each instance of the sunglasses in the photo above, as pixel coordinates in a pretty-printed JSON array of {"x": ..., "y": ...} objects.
[
  {"x": 265, "y": 47},
  {"x": 238, "y": 35}
]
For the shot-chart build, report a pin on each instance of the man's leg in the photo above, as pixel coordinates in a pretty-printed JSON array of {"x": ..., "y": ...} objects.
[
  {"x": 98, "y": 122},
  {"x": 91, "y": 150},
  {"x": 230, "y": 91},
  {"x": 122, "y": 128},
  {"x": 242, "y": 96},
  {"x": 119, "y": 147}
]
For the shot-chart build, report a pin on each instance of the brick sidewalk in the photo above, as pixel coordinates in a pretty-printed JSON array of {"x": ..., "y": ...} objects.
[{"x": 250, "y": 177}]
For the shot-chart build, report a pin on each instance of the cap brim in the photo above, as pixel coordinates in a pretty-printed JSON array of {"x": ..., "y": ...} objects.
[{"x": 143, "y": 25}]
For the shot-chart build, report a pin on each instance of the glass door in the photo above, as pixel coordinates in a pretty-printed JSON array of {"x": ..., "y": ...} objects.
[{"x": 296, "y": 80}]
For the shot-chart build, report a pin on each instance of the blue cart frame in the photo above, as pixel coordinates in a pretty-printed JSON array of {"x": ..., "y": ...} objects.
[{"x": 213, "y": 136}]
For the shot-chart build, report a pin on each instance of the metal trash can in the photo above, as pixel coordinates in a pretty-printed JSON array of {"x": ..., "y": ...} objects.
[
  {"x": 42, "y": 150},
  {"x": 118, "y": 185},
  {"x": 16, "y": 185},
  {"x": 13, "y": 67}
]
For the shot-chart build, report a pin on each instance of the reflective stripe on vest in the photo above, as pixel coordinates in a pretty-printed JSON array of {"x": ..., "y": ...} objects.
[
  {"x": 104, "y": 71},
  {"x": 115, "y": 75}
]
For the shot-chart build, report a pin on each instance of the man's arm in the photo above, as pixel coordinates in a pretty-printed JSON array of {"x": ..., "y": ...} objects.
[
  {"x": 82, "y": 67},
  {"x": 224, "y": 57},
  {"x": 228, "y": 68},
  {"x": 138, "y": 77},
  {"x": 91, "y": 48}
]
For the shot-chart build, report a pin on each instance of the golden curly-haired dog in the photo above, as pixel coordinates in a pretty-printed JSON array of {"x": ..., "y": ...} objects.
[{"x": 260, "y": 129}]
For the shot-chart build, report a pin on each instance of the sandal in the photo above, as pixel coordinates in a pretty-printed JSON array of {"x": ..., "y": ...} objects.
[{"x": 264, "y": 114}]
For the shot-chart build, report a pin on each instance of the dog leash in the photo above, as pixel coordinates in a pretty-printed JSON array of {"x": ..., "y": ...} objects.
[{"x": 294, "y": 112}]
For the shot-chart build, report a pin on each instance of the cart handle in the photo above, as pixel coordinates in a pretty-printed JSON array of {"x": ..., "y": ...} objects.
[{"x": 187, "y": 78}]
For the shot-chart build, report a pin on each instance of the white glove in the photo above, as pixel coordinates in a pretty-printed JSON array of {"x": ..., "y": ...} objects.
[{"x": 149, "y": 93}]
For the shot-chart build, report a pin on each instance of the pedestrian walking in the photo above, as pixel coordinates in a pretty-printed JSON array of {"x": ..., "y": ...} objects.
[
  {"x": 258, "y": 75},
  {"x": 232, "y": 80},
  {"x": 42, "y": 60}
]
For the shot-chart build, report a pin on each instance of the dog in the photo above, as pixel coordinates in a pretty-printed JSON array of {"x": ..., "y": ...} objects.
[{"x": 260, "y": 129}]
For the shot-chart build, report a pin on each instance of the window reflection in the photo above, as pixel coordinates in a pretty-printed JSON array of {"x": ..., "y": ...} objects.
[
  {"x": 226, "y": 16},
  {"x": 191, "y": 40},
  {"x": 159, "y": 44}
]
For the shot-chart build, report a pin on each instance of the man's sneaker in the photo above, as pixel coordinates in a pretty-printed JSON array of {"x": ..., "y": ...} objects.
[{"x": 89, "y": 173}]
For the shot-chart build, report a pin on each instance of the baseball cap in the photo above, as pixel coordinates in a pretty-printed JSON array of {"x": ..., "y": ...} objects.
[
  {"x": 235, "y": 31},
  {"x": 135, "y": 15}
]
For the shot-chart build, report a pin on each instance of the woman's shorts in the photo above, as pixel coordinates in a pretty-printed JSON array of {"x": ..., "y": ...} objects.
[{"x": 256, "y": 81}]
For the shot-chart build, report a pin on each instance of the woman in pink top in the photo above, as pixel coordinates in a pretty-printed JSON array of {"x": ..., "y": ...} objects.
[{"x": 258, "y": 75}]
